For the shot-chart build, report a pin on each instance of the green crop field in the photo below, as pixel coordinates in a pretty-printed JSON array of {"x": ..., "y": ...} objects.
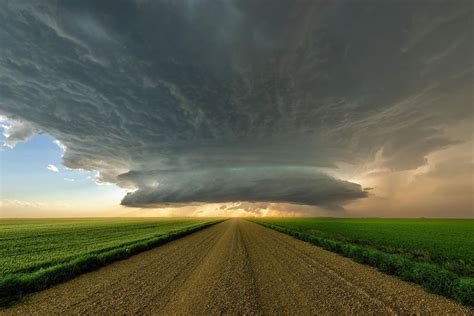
[
  {"x": 436, "y": 253},
  {"x": 37, "y": 253}
]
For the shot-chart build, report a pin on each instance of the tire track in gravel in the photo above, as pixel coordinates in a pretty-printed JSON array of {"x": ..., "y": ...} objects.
[{"x": 236, "y": 267}]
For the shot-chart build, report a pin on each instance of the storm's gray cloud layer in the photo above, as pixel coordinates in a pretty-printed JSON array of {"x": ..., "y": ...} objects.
[
  {"x": 201, "y": 101},
  {"x": 293, "y": 185}
]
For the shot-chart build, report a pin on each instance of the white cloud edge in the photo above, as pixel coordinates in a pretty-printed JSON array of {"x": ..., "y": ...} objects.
[{"x": 52, "y": 168}]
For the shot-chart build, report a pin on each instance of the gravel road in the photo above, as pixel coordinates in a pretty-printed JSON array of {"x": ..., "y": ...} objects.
[{"x": 236, "y": 267}]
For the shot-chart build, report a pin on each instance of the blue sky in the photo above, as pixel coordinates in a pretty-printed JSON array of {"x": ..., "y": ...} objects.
[{"x": 25, "y": 178}]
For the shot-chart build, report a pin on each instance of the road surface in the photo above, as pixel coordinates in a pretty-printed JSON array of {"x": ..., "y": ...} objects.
[{"x": 236, "y": 267}]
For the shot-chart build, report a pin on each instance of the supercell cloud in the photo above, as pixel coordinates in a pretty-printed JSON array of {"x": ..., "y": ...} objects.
[{"x": 215, "y": 101}]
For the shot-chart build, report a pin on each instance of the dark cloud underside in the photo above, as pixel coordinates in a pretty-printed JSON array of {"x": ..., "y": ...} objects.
[{"x": 212, "y": 101}]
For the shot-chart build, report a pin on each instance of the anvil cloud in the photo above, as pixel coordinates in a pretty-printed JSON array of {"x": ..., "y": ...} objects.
[{"x": 221, "y": 101}]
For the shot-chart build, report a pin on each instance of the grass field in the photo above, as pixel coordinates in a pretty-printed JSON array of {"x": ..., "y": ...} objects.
[
  {"x": 37, "y": 253},
  {"x": 436, "y": 253}
]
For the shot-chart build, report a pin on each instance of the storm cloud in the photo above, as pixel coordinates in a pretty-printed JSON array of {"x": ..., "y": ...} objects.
[
  {"x": 216, "y": 101},
  {"x": 284, "y": 184}
]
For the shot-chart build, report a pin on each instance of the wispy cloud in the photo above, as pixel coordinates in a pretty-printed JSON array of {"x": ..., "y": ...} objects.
[
  {"x": 52, "y": 168},
  {"x": 15, "y": 131},
  {"x": 21, "y": 203},
  {"x": 60, "y": 145}
]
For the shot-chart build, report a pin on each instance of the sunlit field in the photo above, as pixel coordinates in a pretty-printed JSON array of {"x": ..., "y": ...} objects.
[{"x": 39, "y": 252}]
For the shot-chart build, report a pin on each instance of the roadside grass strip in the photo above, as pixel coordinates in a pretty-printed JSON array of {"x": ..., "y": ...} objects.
[
  {"x": 433, "y": 278},
  {"x": 14, "y": 287}
]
